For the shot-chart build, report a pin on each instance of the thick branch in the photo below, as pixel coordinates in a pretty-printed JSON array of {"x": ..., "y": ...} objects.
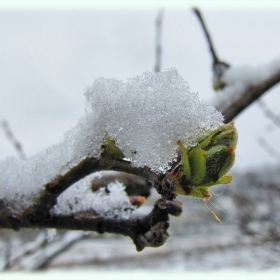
[
  {"x": 251, "y": 94},
  {"x": 40, "y": 209},
  {"x": 269, "y": 149},
  {"x": 150, "y": 230}
]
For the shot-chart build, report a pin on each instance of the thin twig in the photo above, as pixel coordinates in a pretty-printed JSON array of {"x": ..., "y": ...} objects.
[
  {"x": 208, "y": 37},
  {"x": 268, "y": 148},
  {"x": 158, "y": 40},
  {"x": 55, "y": 249},
  {"x": 147, "y": 231},
  {"x": 177, "y": 246},
  {"x": 269, "y": 113},
  {"x": 219, "y": 67},
  {"x": 250, "y": 94},
  {"x": 26, "y": 250},
  {"x": 7, "y": 256},
  {"x": 16, "y": 144}
]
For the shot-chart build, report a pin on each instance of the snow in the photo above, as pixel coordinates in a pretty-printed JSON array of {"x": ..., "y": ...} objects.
[
  {"x": 145, "y": 115},
  {"x": 110, "y": 202},
  {"x": 148, "y": 114},
  {"x": 196, "y": 241},
  {"x": 239, "y": 78},
  {"x": 51, "y": 232}
]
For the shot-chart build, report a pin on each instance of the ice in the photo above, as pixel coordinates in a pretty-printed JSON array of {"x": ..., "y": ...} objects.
[{"x": 145, "y": 115}]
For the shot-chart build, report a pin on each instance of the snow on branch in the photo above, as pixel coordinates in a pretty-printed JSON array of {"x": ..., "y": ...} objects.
[
  {"x": 132, "y": 127},
  {"x": 238, "y": 87},
  {"x": 244, "y": 85}
]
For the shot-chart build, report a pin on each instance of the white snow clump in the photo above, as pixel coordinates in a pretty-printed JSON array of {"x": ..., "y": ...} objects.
[
  {"x": 146, "y": 116},
  {"x": 110, "y": 201}
]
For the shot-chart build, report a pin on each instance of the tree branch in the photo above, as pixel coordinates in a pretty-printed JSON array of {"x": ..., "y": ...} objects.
[
  {"x": 150, "y": 230},
  {"x": 147, "y": 231},
  {"x": 47, "y": 199},
  {"x": 214, "y": 55},
  {"x": 53, "y": 250},
  {"x": 247, "y": 97},
  {"x": 269, "y": 113},
  {"x": 219, "y": 67},
  {"x": 12, "y": 138},
  {"x": 158, "y": 40}
]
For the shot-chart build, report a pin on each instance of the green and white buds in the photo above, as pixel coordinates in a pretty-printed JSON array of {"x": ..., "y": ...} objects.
[
  {"x": 204, "y": 165},
  {"x": 200, "y": 167}
]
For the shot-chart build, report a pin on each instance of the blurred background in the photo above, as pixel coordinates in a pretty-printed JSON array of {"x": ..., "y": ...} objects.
[{"x": 49, "y": 57}]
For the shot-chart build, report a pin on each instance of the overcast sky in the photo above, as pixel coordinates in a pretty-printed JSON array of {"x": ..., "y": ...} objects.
[{"x": 48, "y": 58}]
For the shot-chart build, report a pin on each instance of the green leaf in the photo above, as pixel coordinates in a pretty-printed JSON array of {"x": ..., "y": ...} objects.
[
  {"x": 201, "y": 192},
  {"x": 112, "y": 151},
  {"x": 204, "y": 141},
  {"x": 185, "y": 160},
  {"x": 197, "y": 161},
  {"x": 226, "y": 179}
]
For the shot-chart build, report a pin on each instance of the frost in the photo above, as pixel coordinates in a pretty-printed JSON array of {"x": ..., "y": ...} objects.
[
  {"x": 238, "y": 79},
  {"x": 145, "y": 115},
  {"x": 110, "y": 201}
]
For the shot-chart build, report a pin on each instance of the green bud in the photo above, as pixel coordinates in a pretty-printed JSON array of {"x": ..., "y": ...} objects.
[
  {"x": 185, "y": 160},
  {"x": 219, "y": 85},
  {"x": 219, "y": 160},
  {"x": 204, "y": 165},
  {"x": 197, "y": 164},
  {"x": 111, "y": 150},
  {"x": 226, "y": 137}
]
